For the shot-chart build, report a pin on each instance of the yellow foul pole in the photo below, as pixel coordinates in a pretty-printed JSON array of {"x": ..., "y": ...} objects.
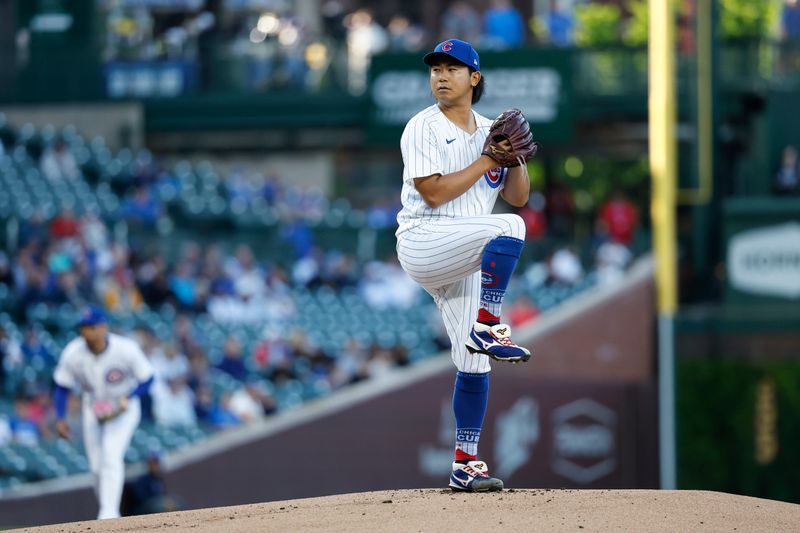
[{"x": 663, "y": 171}]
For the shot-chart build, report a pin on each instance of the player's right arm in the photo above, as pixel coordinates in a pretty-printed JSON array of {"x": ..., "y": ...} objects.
[
  {"x": 438, "y": 189},
  {"x": 423, "y": 165}
]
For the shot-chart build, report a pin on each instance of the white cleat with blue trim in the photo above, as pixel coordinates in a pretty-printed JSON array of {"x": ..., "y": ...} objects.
[
  {"x": 473, "y": 477},
  {"x": 495, "y": 341}
]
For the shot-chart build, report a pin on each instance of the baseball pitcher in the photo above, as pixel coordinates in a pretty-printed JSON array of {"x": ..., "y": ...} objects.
[
  {"x": 456, "y": 162},
  {"x": 110, "y": 372}
]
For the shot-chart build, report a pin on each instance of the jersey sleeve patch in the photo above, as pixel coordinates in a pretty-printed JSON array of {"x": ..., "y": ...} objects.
[{"x": 495, "y": 176}]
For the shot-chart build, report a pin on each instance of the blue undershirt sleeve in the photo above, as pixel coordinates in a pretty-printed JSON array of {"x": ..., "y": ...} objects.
[
  {"x": 60, "y": 397},
  {"x": 141, "y": 388}
]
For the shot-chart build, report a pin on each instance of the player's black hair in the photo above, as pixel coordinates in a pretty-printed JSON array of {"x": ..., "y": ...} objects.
[{"x": 477, "y": 91}]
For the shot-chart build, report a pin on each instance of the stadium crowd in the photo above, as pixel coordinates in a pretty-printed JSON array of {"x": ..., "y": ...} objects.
[{"x": 64, "y": 258}]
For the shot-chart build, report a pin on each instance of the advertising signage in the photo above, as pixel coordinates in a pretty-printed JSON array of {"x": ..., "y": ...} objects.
[{"x": 536, "y": 81}]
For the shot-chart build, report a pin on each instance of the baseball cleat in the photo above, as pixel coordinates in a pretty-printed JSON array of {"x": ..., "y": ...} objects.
[
  {"x": 495, "y": 341},
  {"x": 473, "y": 477}
]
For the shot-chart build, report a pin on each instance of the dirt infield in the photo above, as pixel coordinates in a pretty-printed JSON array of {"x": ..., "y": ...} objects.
[{"x": 442, "y": 510}]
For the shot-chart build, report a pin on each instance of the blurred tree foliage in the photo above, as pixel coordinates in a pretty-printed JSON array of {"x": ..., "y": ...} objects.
[
  {"x": 600, "y": 176},
  {"x": 597, "y": 24},
  {"x": 637, "y": 27},
  {"x": 741, "y": 19}
]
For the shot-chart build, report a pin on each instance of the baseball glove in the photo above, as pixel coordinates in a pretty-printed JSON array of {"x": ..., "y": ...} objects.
[
  {"x": 106, "y": 410},
  {"x": 510, "y": 126}
]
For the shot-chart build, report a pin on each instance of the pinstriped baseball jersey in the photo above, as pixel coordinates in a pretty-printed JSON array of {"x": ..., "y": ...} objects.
[
  {"x": 432, "y": 144},
  {"x": 441, "y": 248},
  {"x": 109, "y": 375}
]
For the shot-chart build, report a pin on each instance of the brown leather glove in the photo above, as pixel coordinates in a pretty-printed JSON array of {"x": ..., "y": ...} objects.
[
  {"x": 512, "y": 127},
  {"x": 106, "y": 410}
]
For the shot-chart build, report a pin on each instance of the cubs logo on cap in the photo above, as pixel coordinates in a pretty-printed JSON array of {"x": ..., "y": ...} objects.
[
  {"x": 91, "y": 316},
  {"x": 461, "y": 51}
]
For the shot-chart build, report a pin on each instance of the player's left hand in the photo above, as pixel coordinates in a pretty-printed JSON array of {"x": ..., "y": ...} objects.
[
  {"x": 510, "y": 141},
  {"x": 106, "y": 410}
]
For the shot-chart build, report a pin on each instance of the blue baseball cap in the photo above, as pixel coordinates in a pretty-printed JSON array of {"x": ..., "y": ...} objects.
[
  {"x": 91, "y": 316},
  {"x": 461, "y": 51}
]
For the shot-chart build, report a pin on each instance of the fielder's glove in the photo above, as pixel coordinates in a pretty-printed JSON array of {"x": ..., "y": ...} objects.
[
  {"x": 106, "y": 410},
  {"x": 510, "y": 126}
]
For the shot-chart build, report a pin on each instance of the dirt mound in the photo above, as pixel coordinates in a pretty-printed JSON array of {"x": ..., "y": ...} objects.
[{"x": 443, "y": 510}]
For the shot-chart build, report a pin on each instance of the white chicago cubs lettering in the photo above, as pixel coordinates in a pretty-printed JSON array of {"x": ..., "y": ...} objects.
[
  {"x": 441, "y": 248},
  {"x": 110, "y": 375}
]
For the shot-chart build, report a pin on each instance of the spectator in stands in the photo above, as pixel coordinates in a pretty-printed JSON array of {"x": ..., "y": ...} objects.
[
  {"x": 11, "y": 358},
  {"x": 219, "y": 414},
  {"x": 461, "y": 21},
  {"x": 173, "y": 403},
  {"x": 38, "y": 406},
  {"x": 23, "y": 426},
  {"x": 790, "y": 21},
  {"x": 189, "y": 341},
  {"x": 503, "y": 26},
  {"x": 65, "y": 225},
  {"x": 522, "y": 311},
  {"x": 271, "y": 350},
  {"x": 239, "y": 187},
  {"x": 33, "y": 229},
  {"x": 386, "y": 285},
  {"x": 611, "y": 260},
  {"x": 232, "y": 359},
  {"x": 560, "y": 209},
  {"x": 95, "y": 238},
  {"x": 534, "y": 217},
  {"x": 183, "y": 286},
  {"x": 272, "y": 190},
  {"x": 153, "y": 282},
  {"x": 365, "y": 38},
  {"x": 249, "y": 277},
  {"x": 306, "y": 270},
  {"x": 251, "y": 402},
  {"x": 382, "y": 213},
  {"x": 619, "y": 217},
  {"x": 34, "y": 351},
  {"x": 560, "y": 25},
  {"x": 787, "y": 179},
  {"x": 6, "y": 273},
  {"x": 349, "y": 362},
  {"x": 564, "y": 267},
  {"x": 118, "y": 291},
  {"x": 338, "y": 270},
  {"x": 403, "y": 35},
  {"x": 380, "y": 362},
  {"x": 141, "y": 209},
  {"x": 168, "y": 362},
  {"x": 57, "y": 163},
  {"x": 6, "y": 433}
]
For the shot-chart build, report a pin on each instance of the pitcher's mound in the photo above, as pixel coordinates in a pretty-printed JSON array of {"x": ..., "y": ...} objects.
[{"x": 443, "y": 510}]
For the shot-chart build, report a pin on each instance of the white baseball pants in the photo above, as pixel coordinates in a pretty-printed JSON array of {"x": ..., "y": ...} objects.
[
  {"x": 105, "y": 447},
  {"x": 444, "y": 256}
]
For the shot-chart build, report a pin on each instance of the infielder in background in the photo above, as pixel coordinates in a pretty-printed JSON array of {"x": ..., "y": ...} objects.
[
  {"x": 456, "y": 162},
  {"x": 111, "y": 373}
]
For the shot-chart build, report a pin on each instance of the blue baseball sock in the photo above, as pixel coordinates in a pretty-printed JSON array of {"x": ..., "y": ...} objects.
[
  {"x": 469, "y": 405},
  {"x": 499, "y": 261}
]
